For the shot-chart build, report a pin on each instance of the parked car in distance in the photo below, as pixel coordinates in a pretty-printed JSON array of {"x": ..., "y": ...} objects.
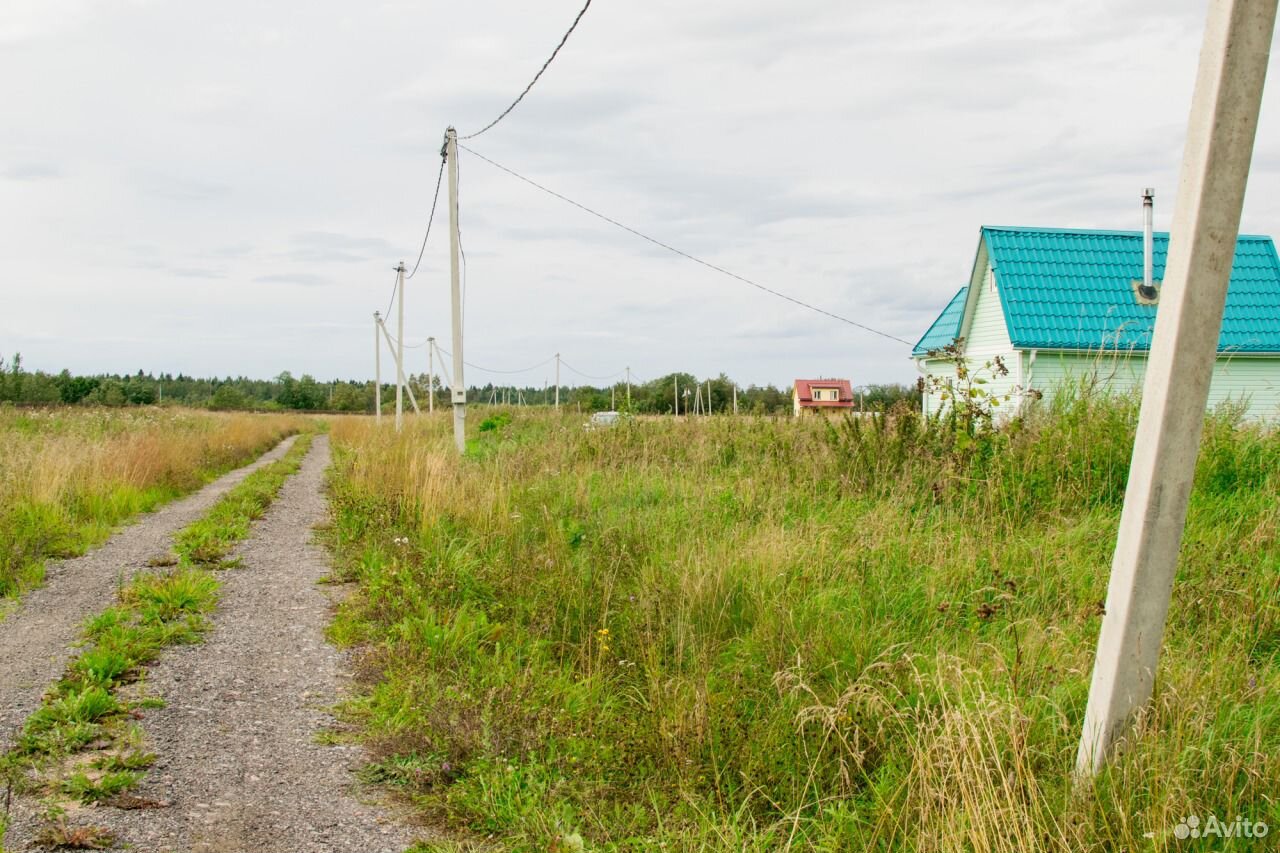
[{"x": 601, "y": 420}]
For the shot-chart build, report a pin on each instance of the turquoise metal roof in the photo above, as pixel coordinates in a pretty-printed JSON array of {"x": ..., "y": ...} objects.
[
  {"x": 1073, "y": 289},
  {"x": 944, "y": 330}
]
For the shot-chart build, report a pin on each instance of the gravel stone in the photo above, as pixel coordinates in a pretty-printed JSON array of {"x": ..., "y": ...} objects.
[
  {"x": 238, "y": 767},
  {"x": 38, "y": 635}
]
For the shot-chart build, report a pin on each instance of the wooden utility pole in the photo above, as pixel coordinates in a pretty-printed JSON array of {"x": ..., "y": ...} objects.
[
  {"x": 458, "y": 391},
  {"x": 377, "y": 367},
  {"x": 1206, "y": 221}
]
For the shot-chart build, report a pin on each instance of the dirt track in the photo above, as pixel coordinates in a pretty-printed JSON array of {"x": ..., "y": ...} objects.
[
  {"x": 239, "y": 768},
  {"x": 37, "y": 638}
]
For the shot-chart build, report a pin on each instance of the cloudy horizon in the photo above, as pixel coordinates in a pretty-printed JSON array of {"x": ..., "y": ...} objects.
[{"x": 225, "y": 189}]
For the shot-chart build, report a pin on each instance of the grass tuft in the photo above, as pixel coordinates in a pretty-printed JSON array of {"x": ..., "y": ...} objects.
[
  {"x": 762, "y": 634},
  {"x": 83, "y": 711}
]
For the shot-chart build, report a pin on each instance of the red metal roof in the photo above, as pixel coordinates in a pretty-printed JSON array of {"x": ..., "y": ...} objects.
[{"x": 804, "y": 390}]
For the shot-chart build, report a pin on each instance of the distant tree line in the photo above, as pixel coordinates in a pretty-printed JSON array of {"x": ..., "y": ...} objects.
[{"x": 305, "y": 393}]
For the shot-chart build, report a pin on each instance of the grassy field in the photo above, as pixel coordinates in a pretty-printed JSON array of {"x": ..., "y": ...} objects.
[
  {"x": 758, "y": 634},
  {"x": 68, "y": 477}
]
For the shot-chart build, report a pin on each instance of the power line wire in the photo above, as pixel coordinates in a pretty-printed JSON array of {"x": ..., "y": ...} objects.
[
  {"x": 588, "y": 375},
  {"x": 392, "y": 301},
  {"x": 444, "y": 351},
  {"x": 430, "y": 219},
  {"x": 544, "y": 67},
  {"x": 684, "y": 254}
]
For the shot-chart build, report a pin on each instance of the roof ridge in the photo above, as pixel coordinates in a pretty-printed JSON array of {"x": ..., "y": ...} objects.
[{"x": 1093, "y": 232}]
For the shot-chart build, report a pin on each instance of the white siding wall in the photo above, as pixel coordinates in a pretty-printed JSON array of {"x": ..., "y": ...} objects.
[
  {"x": 1235, "y": 378},
  {"x": 944, "y": 371},
  {"x": 987, "y": 338}
]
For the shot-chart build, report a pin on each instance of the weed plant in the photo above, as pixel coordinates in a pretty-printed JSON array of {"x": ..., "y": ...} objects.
[
  {"x": 80, "y": 743},
  {"x": 727, "y": 634}
]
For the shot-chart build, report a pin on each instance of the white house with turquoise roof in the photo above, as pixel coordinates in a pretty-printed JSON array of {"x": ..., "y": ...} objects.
[{"x": 1060, "y": 305}]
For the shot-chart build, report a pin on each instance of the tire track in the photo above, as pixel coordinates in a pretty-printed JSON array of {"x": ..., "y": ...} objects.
[
  {"x": 37, "y": 639},
  {"x": 238, "y": 763}
]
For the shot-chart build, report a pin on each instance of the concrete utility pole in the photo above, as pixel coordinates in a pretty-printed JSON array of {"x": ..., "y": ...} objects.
[
  {"x": 377, "y": 367},
  {"x": 399, "y": 346},
  {"x": 628, "y": 389},
  {"x": 458, "y": 389},
  {"x": 675, "y": 382},
  {"x": 400, "y": 377},
  {"x": 735, "y": 398},
  {"x": 613, "y": 398},
  {"x": 431, "y": 375},
  {"x": 557, "y": 381},
  {"x": 1206, "y": 221}
]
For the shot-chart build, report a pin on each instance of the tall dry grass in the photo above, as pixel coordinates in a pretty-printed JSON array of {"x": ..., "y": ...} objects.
[
  {"x": 68, "y": 477},
  {"x": 755, "y": 634}
]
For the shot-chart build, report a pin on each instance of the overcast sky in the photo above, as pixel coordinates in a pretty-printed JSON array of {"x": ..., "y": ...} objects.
[{"x": 225, "y": 188}]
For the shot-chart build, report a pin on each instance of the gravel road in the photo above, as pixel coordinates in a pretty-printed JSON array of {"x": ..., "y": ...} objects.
[
  {"x": 37, "y": 638},
  {"x": 238, "y": 768}
]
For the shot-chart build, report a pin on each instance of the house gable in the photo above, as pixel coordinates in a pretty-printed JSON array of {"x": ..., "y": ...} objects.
[{"x": 822, "y": 393}]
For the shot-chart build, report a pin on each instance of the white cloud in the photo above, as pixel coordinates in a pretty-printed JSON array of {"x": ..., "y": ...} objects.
[{"x": 235, "y": 181}]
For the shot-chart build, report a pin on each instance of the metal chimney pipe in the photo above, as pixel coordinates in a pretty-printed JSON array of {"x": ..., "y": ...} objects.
[{"x": 1148, "y": 289}]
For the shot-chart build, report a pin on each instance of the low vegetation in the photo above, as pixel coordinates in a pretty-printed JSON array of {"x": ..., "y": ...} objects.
[
  {"x": 83, "y": 744},
  {"x": 68, "y": 477},
  {"x": 762, "y": 634}
]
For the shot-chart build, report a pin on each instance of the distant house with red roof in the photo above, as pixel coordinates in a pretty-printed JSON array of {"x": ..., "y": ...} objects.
[{"x": 822, "y": 396}]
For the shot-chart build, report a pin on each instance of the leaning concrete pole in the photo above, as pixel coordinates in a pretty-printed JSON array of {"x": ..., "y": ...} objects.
[
  {"x": 1206, "y": 220},
  {"x": 458, "y": 390},
  {"x": 400, "y": 375}
]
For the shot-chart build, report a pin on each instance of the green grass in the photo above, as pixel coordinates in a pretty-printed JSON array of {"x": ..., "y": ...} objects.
[
  {"x": 84, "y": 710},
  {"x": 69, "y": 478},
  {"x": 755, "y": 634},
  {"x": 209, "y": 540}
]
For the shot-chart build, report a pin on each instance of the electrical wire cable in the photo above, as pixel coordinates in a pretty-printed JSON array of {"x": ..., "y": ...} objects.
[
  {"x": 392, "y": 301},
  {"x": 684, "y": 254},
  {"x": 544, "y": 67},
  {"x": 588, "y": 375},
  {"x": 394, "y": 339},
  {"x": 445, "y": 352},
  {"x": 430, "y": 219}
]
